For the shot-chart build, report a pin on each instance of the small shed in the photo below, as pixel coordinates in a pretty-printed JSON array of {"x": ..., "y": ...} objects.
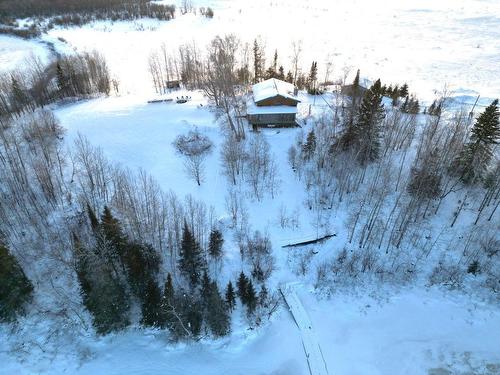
[{"x": 273, "y": 103}]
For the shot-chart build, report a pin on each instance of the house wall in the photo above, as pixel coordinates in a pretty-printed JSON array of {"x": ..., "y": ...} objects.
[{"x": 278, "y": 119}]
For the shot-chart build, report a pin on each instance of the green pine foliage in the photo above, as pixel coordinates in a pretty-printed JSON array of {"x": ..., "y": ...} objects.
[
  {"x": 151, "y": 300},
  {"x": 364, "y": 135},
  {"x": 230, "y": 296},
  {"x": 242, "y": 284},
  {"x": 103, "y": 294},
  {"x": 472, "y": 163},
  {"x": 215, "y": 244},
  {"x": 312, "y": 79},
  {"x": 191, "y": 262},
  {"x": 251, "y": 298},
  {"x": 217, "y": 315},
  {"x": 15, "y": 288},
  {"x": 309, "y": 146}
]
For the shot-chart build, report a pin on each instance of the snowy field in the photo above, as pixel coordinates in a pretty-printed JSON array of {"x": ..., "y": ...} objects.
[
  {"x": 426, "y": 43},
  {"x": 13, "y": 51},
  {"x": 408, "y": 331}
]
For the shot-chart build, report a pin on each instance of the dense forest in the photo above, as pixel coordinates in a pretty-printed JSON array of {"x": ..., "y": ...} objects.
[{"x": 75, "y": 12}]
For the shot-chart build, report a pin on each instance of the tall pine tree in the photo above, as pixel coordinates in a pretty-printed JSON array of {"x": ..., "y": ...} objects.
[
  {"x": 367, "y": 127},
  {"x": 190, "y": 260},
  {"x": 15, "y": 288},
  {"x": 472, "y": 163}
]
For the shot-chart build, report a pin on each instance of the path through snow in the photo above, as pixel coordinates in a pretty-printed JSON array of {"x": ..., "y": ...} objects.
[{"x": 314, "y": 355}]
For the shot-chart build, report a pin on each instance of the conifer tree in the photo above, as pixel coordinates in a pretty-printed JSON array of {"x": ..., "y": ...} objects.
[
  {"x": 190, "y": 257},
  {"x": 309, "y": 146},
  {"x": 242, "y": 284},
  {"x": 103, "y": 294},
  {"x": 230, "y": 296},
  {"x": 63, "y": 83},
  {"x": 395, "y": 96},
  {"x": 251, "y": 298},
  {"x": 257, "y": 61},
  {"x": 168, "y": 318},
  {"x": 205, "y": 289},
  {"x": 289, "y": 77},
  {"x": 367, "y": 128},
  {"x": 15, "y": 288},
  {"x": 312, "y": 79},
  {"x": 19, "y": 97},
  {"x": 403, "y": 92},
  {"x": 215, "y": 244},
  {"x": 355, "y": 83},
  {"x": 151, "y": 305},
  {"x": 281, "y": 73},
  {"x": 94, "y": 222},
  {"x": 404, "y": 107},
  {"x": 472, "y": 163},
  {"x": 217, "y": 316}
]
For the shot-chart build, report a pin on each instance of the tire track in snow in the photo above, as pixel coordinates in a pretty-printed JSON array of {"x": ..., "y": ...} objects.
[{"x": 312, "y": 349}]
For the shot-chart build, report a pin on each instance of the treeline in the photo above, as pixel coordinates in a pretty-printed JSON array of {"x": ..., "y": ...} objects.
[
  {"x": 73, "y": 76},
  {"x": 77, "y": 12}
]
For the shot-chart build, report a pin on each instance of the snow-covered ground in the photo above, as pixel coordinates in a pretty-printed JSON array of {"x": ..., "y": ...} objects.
[
  {"x": 408, "y": 331},
  {"x": 14, "y": 51},
  {"x": 426, "y": 43}
]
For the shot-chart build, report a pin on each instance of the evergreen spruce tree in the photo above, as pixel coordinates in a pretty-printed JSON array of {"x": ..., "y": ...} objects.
[
  {"x": 230, "y": 296},
  {"x": 251, "y": 298},
  {"x": 151, "y": 305},
  {"x": 312, "y": 79},
  {"x": 281, "y": 73},
  {"x": 395, "y": 96},
  {"x": 63, "y": 83},
  {"x": 19, "y": 98},
  {"x": 414, "y": 106},
  {"x": 355, "y": 83},
  {"x": 309, "y": 146},
  {"x": 289, "y": 77},
  {"x": 403, "y": 92},
  {"x": 367, "y": 128},
  {"x": 217, "y": 316},
  {"x": 472, "y": 163},
  {"x": 404, "y": 107},
  {"x": 215, "y": 244},
  {"x": 142, "y": 264},
  {"x": 190, "y": 260},
  {"x": 275, "y": 61},
  {"x": 94, "y": 222},
  {"x": 168, "y": 318},
  {"x": 257, "y": 61},
  {"x": 205, "y": 289},
  {"x": 432, "y": 108},
  {"x": 15, "y": 288},
  {"x": 103, "y": 294},
  {"x": 242, "y": 284}
]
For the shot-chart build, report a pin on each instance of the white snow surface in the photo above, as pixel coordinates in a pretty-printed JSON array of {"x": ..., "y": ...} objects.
[
  {"x": 312, "y": 349},
  {"x": 14, "y": 50},
  {"x": 272, "y": 87},
  {"x": 407, "y": 331},
  {"x": 427, "y": 43}
]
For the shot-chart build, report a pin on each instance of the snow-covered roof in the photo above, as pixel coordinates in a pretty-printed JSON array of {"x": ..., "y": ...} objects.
[
  {"x": 252, "y": 109},
  {"x": 273, "y": 87}
]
